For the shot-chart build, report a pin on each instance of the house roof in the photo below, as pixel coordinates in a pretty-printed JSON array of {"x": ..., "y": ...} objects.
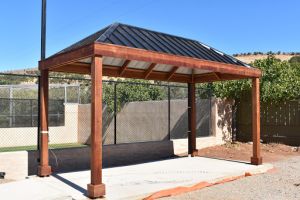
[{"x": 136, "y": 37}]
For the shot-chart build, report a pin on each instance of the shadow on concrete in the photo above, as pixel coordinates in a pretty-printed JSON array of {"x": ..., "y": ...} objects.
[
  {"x": 78, "y": 159},
  {"x": 237, "y": 161},
  {"x": 71, "y": 184}
]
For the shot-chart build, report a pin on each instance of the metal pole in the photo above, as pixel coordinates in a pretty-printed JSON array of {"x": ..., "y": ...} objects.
[
  {"x": 43, "y": 56},
  {"x": 66, "y": 97},
  {"x": 38, "y": 119},
  {"x": 115, "y": 113},
  {"x": 43, "y": 30},
  {"x": 10, "y": 106},
  {"x": 169, "y": 112}
]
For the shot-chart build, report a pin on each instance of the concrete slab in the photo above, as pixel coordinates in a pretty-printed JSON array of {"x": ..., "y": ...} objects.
[{"x": 131, "y": 182}]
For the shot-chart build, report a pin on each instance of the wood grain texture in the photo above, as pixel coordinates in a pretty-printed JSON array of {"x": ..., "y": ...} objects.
[
  {"x": 96, "y": 121},
  {"x": 256, "y": 159},
  {"x": 44, "y": 168}
]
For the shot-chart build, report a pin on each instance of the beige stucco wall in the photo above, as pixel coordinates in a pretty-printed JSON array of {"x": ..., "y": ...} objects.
[
  {"x": 221, "y": 114},
  {"x": 26, "y": 136},
  {"x": 221, "y": 127}
]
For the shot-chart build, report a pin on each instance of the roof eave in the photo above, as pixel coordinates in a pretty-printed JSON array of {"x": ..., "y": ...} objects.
[{"x": 129, "y": 53}]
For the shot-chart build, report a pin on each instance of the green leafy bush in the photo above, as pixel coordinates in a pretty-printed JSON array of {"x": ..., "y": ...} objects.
[{"x": 280, "y": 82}]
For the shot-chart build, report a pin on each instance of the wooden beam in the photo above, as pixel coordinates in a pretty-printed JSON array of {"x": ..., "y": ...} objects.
[
  {"x": 128, "y": 53},
  {"x": 67, "y": 58},
  {"x": 44, "y": 169},
  {"x": 172, "y": 72},
  {"x": 149, "y": 70},
  {"x": 193, "y": 76},
  {"x": 96, "y": 188},
  {"x": 175, "y": 60},
  {"x": 256, "y": 159},
  {"x": 192, "y": 150},
  {"x": 124, "y": 67},
  {"x": 78, "y": 68}
]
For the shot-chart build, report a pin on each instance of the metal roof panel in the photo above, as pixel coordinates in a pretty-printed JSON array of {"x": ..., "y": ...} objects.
[{"x": 136, "y": 37}]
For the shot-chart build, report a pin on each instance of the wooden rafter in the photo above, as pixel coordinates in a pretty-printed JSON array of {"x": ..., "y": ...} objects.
[
  {"x": 140, "y": 74},
  {"x": 217, "y": 75},
  {"x": 84, "y": 68},
  {"x": 124, "y": 67},
  {"x": 149, "y": 70},
  {"x": 172, "y": 72}
]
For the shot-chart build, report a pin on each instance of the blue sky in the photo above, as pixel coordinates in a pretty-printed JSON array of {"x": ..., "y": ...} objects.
[{"x": 232, "y": 26}]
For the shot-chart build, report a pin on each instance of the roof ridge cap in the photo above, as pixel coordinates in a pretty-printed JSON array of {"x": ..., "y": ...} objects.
[{"x": 108, "y": 32}]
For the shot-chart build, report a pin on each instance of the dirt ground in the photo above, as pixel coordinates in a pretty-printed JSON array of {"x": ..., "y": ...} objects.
[{"x": 243, "y": 151}]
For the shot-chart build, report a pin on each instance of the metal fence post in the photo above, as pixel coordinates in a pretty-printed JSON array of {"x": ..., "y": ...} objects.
[
  {"x": 38, "y": 120},
  {"x": 169, "y": 112},
  {"x": 79, "y": 99},
  {"x": 210, "y": 107},
  {"x": 10, "y": 106},
  {"x": 115, "y": 113},
  {"x": 66, "y": 95},
  {"x": 31, "y": 108}
]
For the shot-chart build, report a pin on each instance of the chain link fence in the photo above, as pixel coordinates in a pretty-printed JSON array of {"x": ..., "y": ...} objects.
[{"x": 135, "y": 111}]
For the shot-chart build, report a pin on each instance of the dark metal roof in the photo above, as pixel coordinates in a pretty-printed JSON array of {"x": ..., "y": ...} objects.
[{"x": 131, "y": 36}]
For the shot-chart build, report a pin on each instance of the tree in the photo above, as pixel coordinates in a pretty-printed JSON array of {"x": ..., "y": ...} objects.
[
  {"x": 295, "y": 59},
  {"x": 280, "y": 82},
  {"x": 136, "y": 90}
]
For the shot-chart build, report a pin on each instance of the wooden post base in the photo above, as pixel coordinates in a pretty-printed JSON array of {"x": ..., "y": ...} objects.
[
  {"x": 256, "y": 161},
  {"x": 194, "y": 153},
  {"x": 44, "y": 171},
  {"x": 95, "y": 191}
]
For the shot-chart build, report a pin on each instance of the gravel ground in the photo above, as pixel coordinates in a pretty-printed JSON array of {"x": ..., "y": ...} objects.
[{"x": 283, "y": 184}]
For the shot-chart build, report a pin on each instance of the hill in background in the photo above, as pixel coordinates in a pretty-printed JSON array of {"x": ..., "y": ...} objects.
[{"x": 251, "y": 57}]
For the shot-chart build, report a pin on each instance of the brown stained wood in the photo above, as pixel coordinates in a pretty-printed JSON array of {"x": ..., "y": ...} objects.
[
  {"x": 172, "y": 72},
  {"x": 96, "y": 121},
  {"x": 140, "y": 74},
  {"x": 74, "y": 68},
  {"x": 256, "y": 158},
  {"x": 217, "y": 75},
  {"x": 128, "y": 53},
  {"x": 169, "y": 59},
  {"x": 44, "y": 169},
  {"x": 67, "y": 58},
  {"x": 193, "y": 76},
  {"x": 149, "y": 70},
  {"x": 124, "y": 67}
]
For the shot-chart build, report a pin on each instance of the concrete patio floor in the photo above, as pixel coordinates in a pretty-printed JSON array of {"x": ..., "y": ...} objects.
[{"x": 130, "y": 182}]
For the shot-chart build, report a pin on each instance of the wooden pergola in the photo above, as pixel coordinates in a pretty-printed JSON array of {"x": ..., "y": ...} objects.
[{"x": 130, "y": 52}]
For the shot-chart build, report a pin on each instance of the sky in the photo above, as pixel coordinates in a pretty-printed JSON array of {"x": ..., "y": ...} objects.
[{"x": 232, "y": 26}]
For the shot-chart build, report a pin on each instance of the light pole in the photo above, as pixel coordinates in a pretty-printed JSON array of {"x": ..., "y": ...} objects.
[{"x": 43, "y": 56}]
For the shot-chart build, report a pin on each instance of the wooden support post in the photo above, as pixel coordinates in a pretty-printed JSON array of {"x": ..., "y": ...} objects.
[
  {"x": 256, "y": 159},
  {"x": 192, "y": 120},
  {"x": 96, "y": 188},
  {"x": 44, "y": 169}
]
